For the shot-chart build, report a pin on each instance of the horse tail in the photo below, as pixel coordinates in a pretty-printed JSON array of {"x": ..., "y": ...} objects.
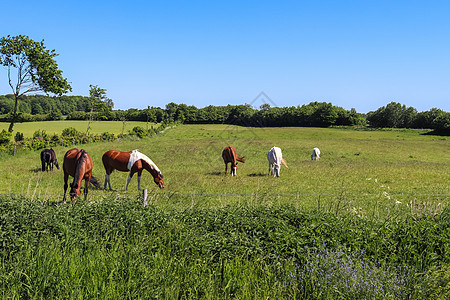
[
  {"x": 241, "y": 159},
  {"x": 79, "y": 160},
  {"x": 94, "y": 182},
  {"x": 284, "y": 163}
]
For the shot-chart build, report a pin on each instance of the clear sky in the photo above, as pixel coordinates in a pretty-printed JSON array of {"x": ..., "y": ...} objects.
[{"x": 354, "y": 54}]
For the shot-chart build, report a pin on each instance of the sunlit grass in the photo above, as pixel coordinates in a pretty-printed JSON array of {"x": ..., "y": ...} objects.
[
  {"x": 56, "y": 127},
  {"x": 353, "y": 164}
]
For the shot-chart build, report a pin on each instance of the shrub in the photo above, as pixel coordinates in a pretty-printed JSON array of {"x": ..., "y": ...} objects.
[
  {"x": 106, "y": 136},
  {"x": 18, "y": 137},
  {"x": 5, "y": 137},
  {"x": 70, "y": 132},
  {"x": 40, "y": 133},
  {"x": 139, "y": 131},
  {"x": 55, "y": 140}
]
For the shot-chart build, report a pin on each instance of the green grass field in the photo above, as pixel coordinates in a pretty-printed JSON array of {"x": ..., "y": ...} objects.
[
  {"x": 56, "y": 127},
  {"x": 353, "y": 164},
  {"x": 369, "y": 220}
]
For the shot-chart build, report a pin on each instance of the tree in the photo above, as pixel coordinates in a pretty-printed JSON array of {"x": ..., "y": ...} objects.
[
  {"x": 99, "y": 101},
  {"x": 31, "y": 68}
]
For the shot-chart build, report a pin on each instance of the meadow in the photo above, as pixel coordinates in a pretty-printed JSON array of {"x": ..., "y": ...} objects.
[
  {"x": 361, "y": 169},
  {"x": 368, "y": 220},
  {"x": 56, "y": 127}
]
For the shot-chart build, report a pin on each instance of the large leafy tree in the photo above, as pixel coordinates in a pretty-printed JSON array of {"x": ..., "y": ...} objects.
[{"x": 31, "y": 68}]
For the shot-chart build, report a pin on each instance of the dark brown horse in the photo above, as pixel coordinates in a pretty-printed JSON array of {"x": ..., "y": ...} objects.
[
  {"x": 78, "y": 164},
  {"x": 133, "y": 162},
  {"x": 48, "y": 159},
  {"x": 229, "y": 155}
]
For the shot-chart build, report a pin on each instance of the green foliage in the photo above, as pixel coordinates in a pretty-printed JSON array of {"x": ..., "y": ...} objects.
[
  {"x": 55, "y": 115},
  {"x": 70, "y": 132},
  {"x": 233, "y": 252},
  {"x": 393, "y": 115},
  {"x": 106, "y": 136},
  {"x": 78, "y": 115},
  {"x": 40, "y": 133},
  {"x": 435, "y": 284},
  {"x": 37, "y": 68},
  {"x": 442, "y": 123},
  {"x": 18, "y": 137},
  {"x": 314, "y": 114},
  {"x": 5, "y": 137},
  {"x": 139, "y": 131}
]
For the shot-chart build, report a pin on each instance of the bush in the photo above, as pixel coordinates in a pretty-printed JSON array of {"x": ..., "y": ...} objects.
[
  {"x": 55, "y": 140},
  {"x": 18, "y": 137},
  {"x": 5, "y": 137},
  {"x": 442, "y": 123},
  {"x": 106, "y": 136},
  {"x": 40, "y": 134},
  {"x": 70, "y": 132},
  {"x": 139, "y": 131}
]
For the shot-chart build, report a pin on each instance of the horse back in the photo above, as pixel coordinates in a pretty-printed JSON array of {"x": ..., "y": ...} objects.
[
  {"x": 116, "y": 160},
  {"x": 229, "y": 154},
  {"x": 73, "y": 158}
]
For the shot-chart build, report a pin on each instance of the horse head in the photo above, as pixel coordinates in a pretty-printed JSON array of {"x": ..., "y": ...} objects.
[
  {"x": 55, "y": 162},
  {"x": 74, "y": 191},
  {"x": 159, "y": 180}
]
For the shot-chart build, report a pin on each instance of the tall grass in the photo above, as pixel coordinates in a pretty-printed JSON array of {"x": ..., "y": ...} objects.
[{"x": 120, "y": 249}]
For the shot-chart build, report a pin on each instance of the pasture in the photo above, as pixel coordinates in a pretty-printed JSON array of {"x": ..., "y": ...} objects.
[
  {"x": 353, "y": 165},
  {"x": 56, "y": 127},
  {"x": 369, "y": 220}
]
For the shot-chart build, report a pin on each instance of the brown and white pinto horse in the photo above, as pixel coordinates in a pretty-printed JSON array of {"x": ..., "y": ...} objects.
[
  {"x": 133, "y": 162},
  {"x": 229, "y": 155},
  {"x": 78, "y": 164}
]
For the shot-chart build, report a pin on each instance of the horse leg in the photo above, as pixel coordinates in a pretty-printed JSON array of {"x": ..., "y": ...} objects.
[
  {"x": 86, "y": 185},
  {"x": 107, "y": 181},
  {"x": 130, "y": 175},
  {"x": 226, "y": 168},
  {"x": 66, "y": 177},
  {"x": 139, "y": 179}
]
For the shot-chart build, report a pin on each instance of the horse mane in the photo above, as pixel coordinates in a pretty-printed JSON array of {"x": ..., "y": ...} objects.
[{"x": 146, "y": 159}]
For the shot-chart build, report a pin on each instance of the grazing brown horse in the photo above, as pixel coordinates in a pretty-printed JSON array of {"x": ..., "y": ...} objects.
[
  {"x": 133, "y": 162},
  {"x": 78, "y": 164},
  {"x": 229, "y": 156},
  {"x": 48, "y": 159}
]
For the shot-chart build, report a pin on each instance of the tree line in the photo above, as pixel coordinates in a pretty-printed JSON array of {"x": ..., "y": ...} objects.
[{"x": 314, "y": 114}]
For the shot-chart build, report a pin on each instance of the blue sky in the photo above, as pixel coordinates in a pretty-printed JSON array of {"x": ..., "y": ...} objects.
[{"x": 354, "y": 54}]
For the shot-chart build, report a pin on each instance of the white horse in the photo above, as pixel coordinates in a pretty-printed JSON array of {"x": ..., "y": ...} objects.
[
  {"x": 315, "y": 154},
  {"x": 275, "y": 158}
]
